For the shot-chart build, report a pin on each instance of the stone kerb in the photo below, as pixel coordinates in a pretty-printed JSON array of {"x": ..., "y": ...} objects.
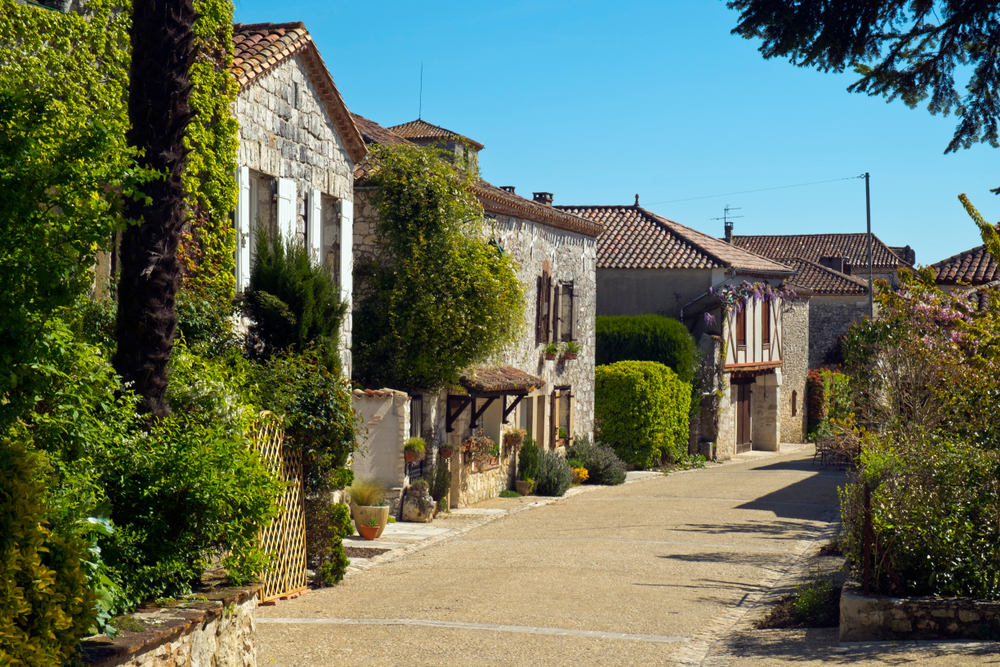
[
  {"x": 215, "y": 628},
  {"x": 878, "y": 617}
]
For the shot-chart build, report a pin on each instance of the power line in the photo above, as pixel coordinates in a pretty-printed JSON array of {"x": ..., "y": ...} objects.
[{"x": 745, "y": 192}]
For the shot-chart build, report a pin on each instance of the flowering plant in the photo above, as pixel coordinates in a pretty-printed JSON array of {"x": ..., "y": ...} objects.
[{"x": 481, "y": 447}]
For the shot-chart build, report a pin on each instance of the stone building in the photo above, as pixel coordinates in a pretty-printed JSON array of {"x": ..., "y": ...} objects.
[
  {"x": 647, "y": 264},
  {"x": 556, "y": 252},
  {"x": 298, "y": 147}
]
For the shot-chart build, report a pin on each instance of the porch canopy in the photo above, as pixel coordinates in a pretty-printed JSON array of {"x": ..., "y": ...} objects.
[{"x": 490, "y": 383}]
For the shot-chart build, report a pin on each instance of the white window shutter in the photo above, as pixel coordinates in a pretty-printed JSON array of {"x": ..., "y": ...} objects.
[
  {"x": 286, "y": 208},
  {"x": 243, "y": 228},
  {"x": 314, "y": 226}
]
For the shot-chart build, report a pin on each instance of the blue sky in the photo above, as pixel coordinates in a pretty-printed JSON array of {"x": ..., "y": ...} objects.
[{"x": 596, "y": 102}]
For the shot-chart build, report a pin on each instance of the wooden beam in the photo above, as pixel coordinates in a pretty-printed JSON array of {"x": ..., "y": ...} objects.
[
  {"x": 509, "y": 409},
  {"x": 463, "y": 402},
  {"x": 476, "y": 414}
]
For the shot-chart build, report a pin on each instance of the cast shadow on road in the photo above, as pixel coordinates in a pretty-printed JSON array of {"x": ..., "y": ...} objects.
[
  {"x": 785, "y": 530},
  {"x": 731, "y": 557},
  {"x": 819, "y": 645}
]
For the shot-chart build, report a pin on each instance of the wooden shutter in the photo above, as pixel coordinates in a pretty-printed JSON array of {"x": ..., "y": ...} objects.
[
  {"x": 556, "y": 316},
  {"x": 540, "y": 284},
  {"x": 286, "y": 208},
  {"x": 765, "y": 322},
  {"x": 741, "y": 325},
  {"x": 314, "y": 226},
  {"x": 243, "y": 228}
]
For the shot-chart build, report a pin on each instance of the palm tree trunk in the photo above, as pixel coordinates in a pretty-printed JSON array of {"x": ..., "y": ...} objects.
[{"x": 159, "y": 87}]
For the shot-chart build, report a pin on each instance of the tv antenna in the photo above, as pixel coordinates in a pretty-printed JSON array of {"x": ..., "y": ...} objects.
[{"x": 728, "y": 220}]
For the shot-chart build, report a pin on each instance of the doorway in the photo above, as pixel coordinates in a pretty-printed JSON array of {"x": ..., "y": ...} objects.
[{"x": 744, "y": 416}]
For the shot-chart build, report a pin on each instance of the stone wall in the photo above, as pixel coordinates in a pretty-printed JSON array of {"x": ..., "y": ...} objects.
[
  {"x": 213, "y": 631},
  {"x": 794, "y": 369},
  {"x": 385, "y": 416},
  {"x": 766, "y": 423},
  {"x": 475, "y": 487},
  {"x": 829, "y": 319},
  {"x": 282, "y": 140},
  {"x": 877, "y": 617}
]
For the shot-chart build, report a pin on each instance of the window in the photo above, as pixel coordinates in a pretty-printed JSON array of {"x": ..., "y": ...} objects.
[
  {"x": 564, "y": 305},
  {"x": 795, "y": 403},
  {"x": 543, "y": 305},
  {"x": 765, "y": 322},
  {"x": 527, "y": 415},
  {"x": 741, "y": 326},
  {"x": 416, "y": 416}
]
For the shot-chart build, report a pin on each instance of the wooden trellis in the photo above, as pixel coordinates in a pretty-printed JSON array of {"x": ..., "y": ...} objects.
[{"x": 285, "y": 537}]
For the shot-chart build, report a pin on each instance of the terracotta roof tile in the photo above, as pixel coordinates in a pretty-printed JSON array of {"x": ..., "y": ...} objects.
[
  {"x": 814, "y": 246},
  {"x": 499, "y": 378},
  {"x": 258, "y": 48},
  {"x": 819, "y": 279},
  {"x": 417, "y": 130},
  {"x": 373, "y": 133},
  {"x": 635, "y": 238},
  {"x": 972, "y": 267}
]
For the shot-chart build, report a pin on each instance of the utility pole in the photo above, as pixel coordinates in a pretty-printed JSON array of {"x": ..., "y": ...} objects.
[{"x": 871, "y": 283}]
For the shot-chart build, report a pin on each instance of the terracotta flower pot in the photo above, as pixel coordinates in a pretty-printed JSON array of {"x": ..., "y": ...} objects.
[
  {"x": 411, "y": 457},
  {"x": 523, "y": 487},
  {"x": 363, "y": 515},
  {"x": 446, "y": 452},
  {"x": 549, "y": 357},
  {"x": 369, "y": 532},
  {"x": 569, "y": 356}
]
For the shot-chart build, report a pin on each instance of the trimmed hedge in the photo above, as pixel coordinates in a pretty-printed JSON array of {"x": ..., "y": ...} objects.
[
  {"x": 641, "y": 411},
  {"x": 647, "y": 338}
]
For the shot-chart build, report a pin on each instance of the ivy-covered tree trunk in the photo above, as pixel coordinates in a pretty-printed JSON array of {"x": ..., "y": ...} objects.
[{"x": 162, "y": 53}]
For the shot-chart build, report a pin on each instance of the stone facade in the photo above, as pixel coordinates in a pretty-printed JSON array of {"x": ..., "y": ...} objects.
[
  {"x": 218, "y": 630},
  {"x": 286, "y": 133},
  {"x": 877, "y": 617},
  {"x": 472, "y": 486},
  {"x": 795, "y": 370},
  {"x": 829, "y": 319}
]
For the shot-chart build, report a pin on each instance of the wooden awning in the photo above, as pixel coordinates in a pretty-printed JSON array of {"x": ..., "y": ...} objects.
[{"x": 499, "y": 381}]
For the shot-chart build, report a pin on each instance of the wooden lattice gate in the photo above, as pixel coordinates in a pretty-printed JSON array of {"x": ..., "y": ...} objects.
[{"x": 285, "y": 537}]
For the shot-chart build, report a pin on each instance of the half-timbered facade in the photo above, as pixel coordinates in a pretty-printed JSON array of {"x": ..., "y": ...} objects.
[{"x": 648, "y": 264}]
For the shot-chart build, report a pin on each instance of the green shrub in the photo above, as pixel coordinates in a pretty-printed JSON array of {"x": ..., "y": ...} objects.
[
  {"x": 647, "y": 338},
  {"x": 368, "y": 492},
  {"x": 438, "y": 478},
  {"x": 527, "y": 461},
  {"x": 180, "y": 494},
  {"x": 46, "y": 605},
  {"x": 829, "y": 399},
  {"x": 935, "y": 510},
  {"x": 602, "y": 464},
  {"x": 327, "y": 524},
  {"x": 292, "y": 301},
  {"x": 554, "y": 475},
  {"x": 641, "y": 411}
]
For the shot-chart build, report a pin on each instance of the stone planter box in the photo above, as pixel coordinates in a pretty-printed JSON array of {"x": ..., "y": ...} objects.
[
  {"x": 217, "y": 630},
  {"x": 878, "y": 617}
]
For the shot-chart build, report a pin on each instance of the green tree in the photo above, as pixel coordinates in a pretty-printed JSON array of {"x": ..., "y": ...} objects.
[
  {"x": 902, "y": 50},
  {"x": 440, "y": 297}
]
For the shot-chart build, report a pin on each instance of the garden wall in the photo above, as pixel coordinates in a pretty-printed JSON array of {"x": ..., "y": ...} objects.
[
  {"x": 877, "y": 617},
  {"x": 385, "y": 415},
  {"x": 475, "y": 487},
  {"x": 215, "y": 631}
]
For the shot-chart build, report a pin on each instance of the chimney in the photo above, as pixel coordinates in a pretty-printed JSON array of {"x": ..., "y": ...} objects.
[
  {"x": 835, "y": 263},
  {"x": 507, "y": 188},
  {"x": 543, "y": 198},
  {"x": 729, "y": 231}
]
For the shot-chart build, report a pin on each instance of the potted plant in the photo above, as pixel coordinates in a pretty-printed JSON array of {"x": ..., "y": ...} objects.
[
  {"x": 368, "y": 503},
  {"x": 482, "y": 448},
  {"x": 524, "y": 486},
  {"x": 514, "y": 437},
  {"x": 414, "y": 449},
  {"x": 551, "y": 350},
  {"x": 445, "y": 450},
  {"x": 371, "y": 531},
  {"x": 571, "y": 349}
]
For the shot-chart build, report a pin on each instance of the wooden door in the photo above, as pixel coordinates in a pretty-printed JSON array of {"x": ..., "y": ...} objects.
[{"x": 743, "y": 418}]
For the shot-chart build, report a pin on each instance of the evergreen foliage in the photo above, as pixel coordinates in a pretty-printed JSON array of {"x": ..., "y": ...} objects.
[
  {"x": 45, "y": 602},
  {"x": 641, "y": 412},
  {"x": 293, "y": 302},
  {"x": 554, "y": 475},
  {"x": 527, "y": 461},
  {"x": 602, "y": 464},
  {"x": 440, "y": 298},
  {"x": 647, "y": 338}
]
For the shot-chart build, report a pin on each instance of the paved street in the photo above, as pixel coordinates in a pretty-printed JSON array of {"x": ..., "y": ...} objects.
[{"x": 669, "y": 570}]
